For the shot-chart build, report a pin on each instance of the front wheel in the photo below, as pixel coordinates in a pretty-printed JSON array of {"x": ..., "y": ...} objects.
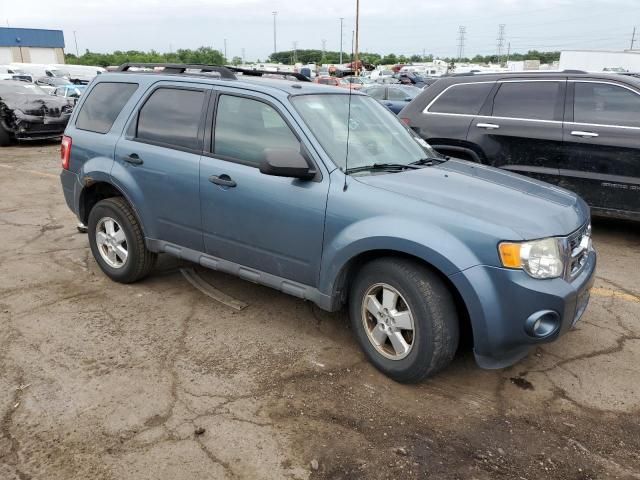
[
  {"x": 5, "y": 138},
  {"x": 117, "y": 241},
  {"x": 404, "y": 318}
]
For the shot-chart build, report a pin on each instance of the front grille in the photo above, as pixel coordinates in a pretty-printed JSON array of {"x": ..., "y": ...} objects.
[{"x": 578, "y": 247}]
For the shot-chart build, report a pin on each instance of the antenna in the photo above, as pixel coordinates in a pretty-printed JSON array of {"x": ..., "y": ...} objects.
[{"x": 346, "y": 159}]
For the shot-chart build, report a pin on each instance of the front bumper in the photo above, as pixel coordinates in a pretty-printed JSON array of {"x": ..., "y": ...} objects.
[
  {"x": 34, "y": 127},
  {"x": 500, "y": 301}
]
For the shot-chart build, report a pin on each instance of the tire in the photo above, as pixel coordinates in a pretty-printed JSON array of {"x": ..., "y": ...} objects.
[
  {"x": 138, "y": 261},
  {"x": 5, "y": 138},
  {"x": 434, "y": 339}
]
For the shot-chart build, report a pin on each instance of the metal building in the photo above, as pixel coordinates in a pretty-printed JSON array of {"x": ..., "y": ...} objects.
[{"x": 30, "y": 45}]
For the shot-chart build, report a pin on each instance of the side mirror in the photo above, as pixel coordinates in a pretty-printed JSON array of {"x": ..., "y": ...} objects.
[{"x": 286, "y": 162}]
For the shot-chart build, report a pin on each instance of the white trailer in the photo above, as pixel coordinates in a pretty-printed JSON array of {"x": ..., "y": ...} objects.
[{"x": 600, "y": 60}]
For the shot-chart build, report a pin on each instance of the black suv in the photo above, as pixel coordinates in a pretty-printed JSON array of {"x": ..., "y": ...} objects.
[{"x": 579, "y": 131}]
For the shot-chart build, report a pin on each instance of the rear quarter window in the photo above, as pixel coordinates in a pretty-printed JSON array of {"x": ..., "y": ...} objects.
[
  {"x": 465, "y": 99},
  {"x": 103, "y": 105}
]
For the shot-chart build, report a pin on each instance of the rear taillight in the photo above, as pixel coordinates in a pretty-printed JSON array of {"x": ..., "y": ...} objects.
[
  {"x": 406, "y": 121},
  {"x": 65, "y": 152}
]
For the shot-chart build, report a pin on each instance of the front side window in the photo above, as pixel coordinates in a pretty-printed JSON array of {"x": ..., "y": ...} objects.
[
  {"x": 464, "y": 99},
  {"x": 606, "y": 104},
  {"x": 172, "y": 117},
  {"x": 375, "y": 135},
  {"x": 103, "y": 105},
  {"x": 528, "y": 100},
  {"x": 246, "y": 128}
]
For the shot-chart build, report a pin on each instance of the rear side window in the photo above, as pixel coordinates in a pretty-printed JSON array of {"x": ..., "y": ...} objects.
[
  {"x": 376, "y": 92},
  {"x": 464, "y": 99},
  {"x": 172, "y": 117},
  {"x": 395, "y": 94},
  {"x": 245, "y": 128},
  {"x": 103, "y": 105},
  {"x": 606, "y": 104},
  {"x": 528, "y": 100}
]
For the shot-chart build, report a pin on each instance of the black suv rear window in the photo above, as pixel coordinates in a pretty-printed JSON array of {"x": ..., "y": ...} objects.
[
  {"x": 535, "y": 100},
  {"x": 462, "y": 99},
  {"x": 172, "y": 116},
  {"x": 103, "y": 105}
]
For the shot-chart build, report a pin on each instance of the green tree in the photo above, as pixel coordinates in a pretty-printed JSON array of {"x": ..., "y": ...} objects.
[{"x": 236, "y": 60}]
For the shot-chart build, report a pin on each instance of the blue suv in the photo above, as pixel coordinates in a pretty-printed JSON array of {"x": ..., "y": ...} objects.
[{"x": 325, "y": 195}]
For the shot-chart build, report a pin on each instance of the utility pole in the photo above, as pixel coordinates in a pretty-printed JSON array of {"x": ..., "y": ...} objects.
[
  {"x": 243, "y": 61},
  {"x": 424, "y": 54},
  {"x": 462, "y": 31},
  {"x": 341, "y": 20},
  {"x": 508, "y": 51},
  {"x": 75, "y": 39},
  {"x": 324, "y": 50},
  {"x": 500, "y": 40},
  {"x": 275, "y": 14},
  {"x": 357, "y": 67},
  {"x": 295, "y": 52},
  {"x": 225, "y": 50},
  {"x": 633, "y": 38}
]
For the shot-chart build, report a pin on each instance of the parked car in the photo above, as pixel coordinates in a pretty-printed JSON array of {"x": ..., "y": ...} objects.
[
  {"x": 335, "y": 81},
  {"x": 394, "y": 97},
  {"x": 70, "y": 91},
  {"x": 256, "y": 179},
  {"x": 8, "y": 72},
  {"x": 52, "y": 81},
  {"x": 358, "y": 82},
  {"x": 576, "y": 130},
  {"x": 28, "y": 113}
]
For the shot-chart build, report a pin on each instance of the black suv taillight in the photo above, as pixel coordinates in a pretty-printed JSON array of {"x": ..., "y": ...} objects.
[{"x": 65, "y": 152}]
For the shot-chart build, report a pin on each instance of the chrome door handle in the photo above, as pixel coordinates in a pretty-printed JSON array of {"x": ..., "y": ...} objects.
[
  {"x": 133, "y": 159},
  {"x": 222, "y": 180},
  {"x": 578, "y": 133},
  {"x": 489, "y": 126}
]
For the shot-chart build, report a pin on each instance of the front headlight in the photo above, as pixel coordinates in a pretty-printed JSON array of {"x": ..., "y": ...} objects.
[{"x": 539, "y": 258}]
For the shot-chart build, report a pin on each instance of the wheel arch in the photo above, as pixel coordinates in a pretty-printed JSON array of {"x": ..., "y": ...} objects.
[
  {"x": 350, "y": 269},
  {"x": 96, "y": 190}
]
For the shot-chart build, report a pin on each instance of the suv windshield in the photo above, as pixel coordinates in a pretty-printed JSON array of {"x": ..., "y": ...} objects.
[{"x": 376, "y": 136}]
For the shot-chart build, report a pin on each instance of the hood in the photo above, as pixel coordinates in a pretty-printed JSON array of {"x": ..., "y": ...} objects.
[
  {"x": 530, "y": 208},
  {"x": 33, "y": 102}
]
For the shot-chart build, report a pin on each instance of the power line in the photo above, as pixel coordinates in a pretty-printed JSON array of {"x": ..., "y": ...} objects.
[
  {"x": 501, "y": 28},
  {"x": 462, "y": 31}
]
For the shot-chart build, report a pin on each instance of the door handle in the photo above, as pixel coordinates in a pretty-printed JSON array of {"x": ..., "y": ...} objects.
[
  {"x": 222, "y": 180},
  {"x": 133, "y": 159},
  {"x": 488, "y": 126},
  {"x": 578, "y": 133}
]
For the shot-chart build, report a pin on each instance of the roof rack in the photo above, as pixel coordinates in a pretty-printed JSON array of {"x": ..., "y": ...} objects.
[
  {"x": 179, "y": 68},
  {"x": 259, "y": 73}
]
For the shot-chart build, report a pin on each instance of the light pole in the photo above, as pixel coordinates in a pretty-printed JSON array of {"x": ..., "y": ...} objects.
[
  {"x": 275, "y": 14},
  {"x": 357, "y": 33},
  {"x": 76, "y": 42},
  {"x": 225, "y": 50},
  {"x": 341, "y": 20}
]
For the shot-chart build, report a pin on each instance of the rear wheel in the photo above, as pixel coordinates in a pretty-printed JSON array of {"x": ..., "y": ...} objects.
[
  {"x": 404, "y": 318},
  {"x": 5, "y": 138},
  {"x": 117, "y": 241}
]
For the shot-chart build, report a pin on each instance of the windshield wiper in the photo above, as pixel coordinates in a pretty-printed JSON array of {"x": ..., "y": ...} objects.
[
  {"x": 383, "y": 166},
  {"x": 428, "y": 161}
]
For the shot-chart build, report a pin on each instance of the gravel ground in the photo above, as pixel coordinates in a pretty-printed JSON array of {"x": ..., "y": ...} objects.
[{"x": 157, "y": 381}]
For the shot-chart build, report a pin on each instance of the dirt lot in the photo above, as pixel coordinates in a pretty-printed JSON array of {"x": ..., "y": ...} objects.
[{"x": 158, "y": 381}]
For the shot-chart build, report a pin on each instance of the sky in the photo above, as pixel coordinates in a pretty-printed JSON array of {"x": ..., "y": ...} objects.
[{"x": 404, "y": 27}]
